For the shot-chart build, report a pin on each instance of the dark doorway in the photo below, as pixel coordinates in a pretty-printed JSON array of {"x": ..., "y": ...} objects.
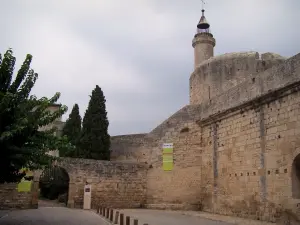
[
  {"x": 54, "y": 184},
  {"x": 296, "y": 177}
]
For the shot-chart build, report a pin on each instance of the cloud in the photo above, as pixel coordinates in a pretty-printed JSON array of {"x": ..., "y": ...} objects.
[{"x": 138, "y": 52}]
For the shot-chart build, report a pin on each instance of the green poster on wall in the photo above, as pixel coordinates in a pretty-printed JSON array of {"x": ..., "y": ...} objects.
[
  {"x": 167, "y": 156},
  {"x": 25, "y": 183},
  {"x": 24, "y": 186}
]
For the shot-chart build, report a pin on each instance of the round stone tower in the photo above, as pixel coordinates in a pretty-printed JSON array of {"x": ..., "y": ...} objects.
[{"x": 203, "y": 42}]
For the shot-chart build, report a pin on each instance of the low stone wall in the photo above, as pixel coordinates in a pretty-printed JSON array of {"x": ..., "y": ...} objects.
[
  {"x": 10, "y": 198},
  {"x": 113, "y": 184}
]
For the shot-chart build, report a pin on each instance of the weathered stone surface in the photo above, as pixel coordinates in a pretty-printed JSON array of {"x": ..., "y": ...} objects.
[
  {"x": 237, "y": 156},
  {"x": 10, "y": 198},
  {"x": 203, "y": 44},
  {"x": 114, "y": 184},
  {"x": 218, "y": 74},
  {"x": 128, "y": 148}
]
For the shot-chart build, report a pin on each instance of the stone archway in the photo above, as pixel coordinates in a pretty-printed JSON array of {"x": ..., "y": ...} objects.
[
  {"x": 54, "y": 184},
  {"x": 296, "y": 177}
]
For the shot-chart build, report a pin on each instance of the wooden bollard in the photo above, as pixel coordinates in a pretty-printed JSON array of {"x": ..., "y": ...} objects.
[
  {"x": 111, "y": 215},
  {"x": 107, "y": 213},
  {"x": 121, "y": 219},
  {"x": 135, "y": 222},
  {"x": 104, "y": 212},
  {"x": 101, "y": 210},
  {"x": 127, "y": 220},
  {"x": 116, "y": 218}
]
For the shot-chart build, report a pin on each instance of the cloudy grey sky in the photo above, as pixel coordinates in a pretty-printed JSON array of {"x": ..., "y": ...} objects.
[{"x": 138, "y": 51}]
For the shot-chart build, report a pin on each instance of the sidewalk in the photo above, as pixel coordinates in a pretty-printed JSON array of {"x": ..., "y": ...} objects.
[
  {"x": 227, "y": 219},
  {"x": 165, "y": 215},
  {"x": 152, "y": 216}
]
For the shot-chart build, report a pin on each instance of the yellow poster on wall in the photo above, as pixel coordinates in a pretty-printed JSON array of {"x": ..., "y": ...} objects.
[
  {"x": 25, "y": 184},
  {"x": 167, "y": 156}
]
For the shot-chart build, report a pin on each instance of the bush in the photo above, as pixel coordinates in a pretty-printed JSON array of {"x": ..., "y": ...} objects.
[
  {"x": 54, "y": 181},
  {"x": 63, "y": 198}
]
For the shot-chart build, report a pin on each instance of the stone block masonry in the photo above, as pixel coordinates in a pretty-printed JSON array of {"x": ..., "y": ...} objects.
[
  {"x": 128, "y": 148},
  {"x": 218, "y": 74},
  {"x": 10, "y": 198},
  {"x": 113, "y": 184},
  {"x": 236, "y": 153}
]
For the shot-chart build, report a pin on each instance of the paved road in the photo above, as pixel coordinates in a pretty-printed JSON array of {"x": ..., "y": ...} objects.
[
  {"x": 50, "y": 203},
  {"x": 52, "y": 216},
  {"x": 158, "y": 217},
  {"x": 52, "y": 213}
]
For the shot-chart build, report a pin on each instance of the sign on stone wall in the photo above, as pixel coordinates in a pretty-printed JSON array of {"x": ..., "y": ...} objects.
[
  {"x": 25, "y": 184},
  {"x": 87, "y": 198},
  {"x": 167, "y": 156}
]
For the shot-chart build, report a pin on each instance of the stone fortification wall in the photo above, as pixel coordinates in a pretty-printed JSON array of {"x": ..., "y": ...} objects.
[
  {"x": 185, "y": 115},
  {"x": 139, "y": 147},
  {"x": 238, "y": 158},
  {"x": 218, "y": 74},
  {"x": 234, "y": 153},
  {"x": 10, "y": 198},
  {"x": 114, "y": 184},
  {"x": 176, "y": 189},
  {"x": 270, "y": 82},
  {"x": 250, "y": 140},
  {"x": 247, "y": 158},
  {"x": 147, "y": 148},
  {"x": 128, "y": 148},
  {"x": 185, "y": 176}
]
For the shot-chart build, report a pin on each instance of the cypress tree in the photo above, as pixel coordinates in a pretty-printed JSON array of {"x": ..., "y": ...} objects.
[
  {"x": 94, "y": 140},
  {"x": 72, "y": 131}
]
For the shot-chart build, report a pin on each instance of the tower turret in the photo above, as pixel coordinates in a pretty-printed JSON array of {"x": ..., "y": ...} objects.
[{"x": 203, "y": 41}]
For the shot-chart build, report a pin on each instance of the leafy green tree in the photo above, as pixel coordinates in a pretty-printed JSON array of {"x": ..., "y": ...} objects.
[
  {"x": 22, "y": 143},
  {"x": 72, "y": 130},
  {"x": 94, "y": 140}
]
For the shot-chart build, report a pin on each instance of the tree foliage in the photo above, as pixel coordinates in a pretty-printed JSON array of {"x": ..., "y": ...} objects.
[
  {"x": 22, "y": 143},
  {"x": 94, "y": 140},
  {"x": 72, "y": 131}
]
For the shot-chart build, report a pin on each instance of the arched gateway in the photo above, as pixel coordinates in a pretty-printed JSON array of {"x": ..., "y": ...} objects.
[
  {"x": 296, "y": 177},
  {"x": 54, "y": 184},
  {"x": 114, "y": 184}
]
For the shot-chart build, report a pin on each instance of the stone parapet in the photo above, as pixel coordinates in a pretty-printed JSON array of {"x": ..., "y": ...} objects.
[{"x": 216, "y": 75}]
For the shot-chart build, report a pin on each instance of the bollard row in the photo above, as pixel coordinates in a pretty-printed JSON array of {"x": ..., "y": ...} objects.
[{"x": 117, "y": 217}]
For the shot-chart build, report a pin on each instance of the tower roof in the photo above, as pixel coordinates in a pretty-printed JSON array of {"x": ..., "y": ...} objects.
[{"x": 203, "y": 26}]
